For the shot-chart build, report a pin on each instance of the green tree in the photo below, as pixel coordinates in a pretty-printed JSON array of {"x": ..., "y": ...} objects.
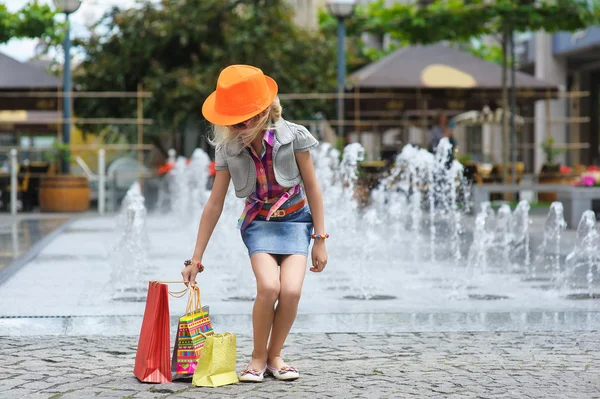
[
  {"x": 462, "y": 20},
  {"x": 488, "y": 52},
  {"x": 34, "y": 20},
  {"x": 177, "y": 48},
  {"x": 360, "y": 53}
]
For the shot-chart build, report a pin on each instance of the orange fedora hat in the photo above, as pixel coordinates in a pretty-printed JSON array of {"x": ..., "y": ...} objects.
[{"x": 242, "y": 92}]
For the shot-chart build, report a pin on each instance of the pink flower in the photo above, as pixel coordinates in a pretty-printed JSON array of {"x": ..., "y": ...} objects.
[{"x": 588, "y": 181}]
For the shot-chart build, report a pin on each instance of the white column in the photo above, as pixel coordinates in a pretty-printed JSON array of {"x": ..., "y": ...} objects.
[
  {"x": 101, "y": 181},
  {"x": 15, "y": 237},
  {"x": 496, "y": 153},
  {"x": 172, "y": 155},
  {"x": 486, "y": 143},
  {"x": 14, "y": 169},
  {"x": 552, "y": 70}
]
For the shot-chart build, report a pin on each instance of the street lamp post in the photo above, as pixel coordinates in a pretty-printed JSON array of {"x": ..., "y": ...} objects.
[
  {"x": 67, "y": 7},
  {"x": 513, "y": 109},
  {"x": 341, "y": 9}
]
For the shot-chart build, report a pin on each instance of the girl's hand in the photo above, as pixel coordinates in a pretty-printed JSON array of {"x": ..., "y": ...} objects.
[
  {"x": 189, "y": 275},
  {"x": 319, "y": 256}
]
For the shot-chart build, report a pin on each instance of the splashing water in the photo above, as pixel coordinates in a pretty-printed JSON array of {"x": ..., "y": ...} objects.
[
  {"x": 415, "y": 229},
  {"x": 520, "y": 235},
  {"x": 477, "y": 258},
  {"x": 432, "y": 184},
  {"x": 582, "y": 265},
  {"x": 129, "y": 257},
  {"x": 548, "y": 259},
  {"x": 503, "y": 236}
]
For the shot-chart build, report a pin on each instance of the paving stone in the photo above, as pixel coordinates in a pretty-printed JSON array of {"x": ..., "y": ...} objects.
[
  {"x": 7, "y": 384},
  {"x": 449, "y": 365},
  {"x": 16, "y": 393}
]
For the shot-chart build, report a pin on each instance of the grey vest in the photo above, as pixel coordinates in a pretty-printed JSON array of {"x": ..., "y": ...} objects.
[{"x": 289, "y": 138}]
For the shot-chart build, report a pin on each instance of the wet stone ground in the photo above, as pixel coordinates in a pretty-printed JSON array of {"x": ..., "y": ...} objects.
[
  {"x": 419, "y": 365},
  {"x": 19, "y": 234}
]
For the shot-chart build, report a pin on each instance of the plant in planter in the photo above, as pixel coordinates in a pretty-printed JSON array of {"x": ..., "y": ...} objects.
[
  {"x": 63, "y": 192},
  {"x": 551, "y": 153},
  {"x": 58, "y": 157}
]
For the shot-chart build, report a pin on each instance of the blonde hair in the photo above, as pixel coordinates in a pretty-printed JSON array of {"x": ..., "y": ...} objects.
[{"x": 221, "y": 135}]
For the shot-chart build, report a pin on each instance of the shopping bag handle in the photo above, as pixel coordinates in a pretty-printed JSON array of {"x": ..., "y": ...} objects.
[
  {"x": 175, "y": 294},
  {"x": 194, "y": 298},
  {"x": 194, "y": 302},
  {"x": 221, "y": 335}
]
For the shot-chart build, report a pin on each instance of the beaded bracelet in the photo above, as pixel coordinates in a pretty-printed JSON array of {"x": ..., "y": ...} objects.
[
  {"x": 190, "y": 262},
  {"x": 321, "y": 236}
]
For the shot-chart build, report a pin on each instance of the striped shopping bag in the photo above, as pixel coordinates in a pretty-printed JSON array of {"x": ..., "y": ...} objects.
[{"x": 192, "y": 331}]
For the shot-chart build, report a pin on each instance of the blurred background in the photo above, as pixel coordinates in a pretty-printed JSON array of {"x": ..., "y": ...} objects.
[{"x": 513, "y": 84}]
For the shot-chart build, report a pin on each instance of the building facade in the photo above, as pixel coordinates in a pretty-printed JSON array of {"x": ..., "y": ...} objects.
[
  {"x": 571, "y": 60},
  {"x": 568, "y": 60}
]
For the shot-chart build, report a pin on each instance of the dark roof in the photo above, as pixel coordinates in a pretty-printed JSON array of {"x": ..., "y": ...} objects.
[
  {"x": 20, "y": 75},
  {"x": 42, "y": 64},
  {"x": 437, "y": 66}
]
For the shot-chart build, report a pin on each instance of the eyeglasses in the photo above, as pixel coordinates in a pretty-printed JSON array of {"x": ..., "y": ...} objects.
[{"x": 242, "y": 125}]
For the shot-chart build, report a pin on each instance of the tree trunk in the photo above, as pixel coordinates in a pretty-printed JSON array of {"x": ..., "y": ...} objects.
[{"x": 505, "y": 107}]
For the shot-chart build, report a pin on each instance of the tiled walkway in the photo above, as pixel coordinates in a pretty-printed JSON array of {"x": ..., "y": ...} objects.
[{"x": 428, "y": 365}]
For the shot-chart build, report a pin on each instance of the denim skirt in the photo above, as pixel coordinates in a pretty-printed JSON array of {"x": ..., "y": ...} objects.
[{"x": 287, "y": 235}]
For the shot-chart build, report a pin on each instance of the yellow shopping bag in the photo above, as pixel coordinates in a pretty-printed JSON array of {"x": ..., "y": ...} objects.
[{"x": 216, "y": 365}]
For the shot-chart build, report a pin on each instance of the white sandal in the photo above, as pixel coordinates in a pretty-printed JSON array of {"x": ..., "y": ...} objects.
[
  {"x": 285, "y": 373},
  {"x": 250, "y": 375}
]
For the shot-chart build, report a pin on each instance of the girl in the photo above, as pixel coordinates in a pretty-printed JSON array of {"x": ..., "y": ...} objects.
[{"x": 267, "y": 158}]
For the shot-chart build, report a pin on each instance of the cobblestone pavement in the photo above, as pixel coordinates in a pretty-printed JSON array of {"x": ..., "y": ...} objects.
[{"x": 440, "y": 365}]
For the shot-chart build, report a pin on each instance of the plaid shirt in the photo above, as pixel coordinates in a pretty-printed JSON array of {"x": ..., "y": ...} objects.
[{"x": 267, "y": 191}]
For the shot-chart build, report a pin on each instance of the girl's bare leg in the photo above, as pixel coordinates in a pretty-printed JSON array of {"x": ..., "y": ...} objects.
[
  {"x": 293, "y": 270},
  {"x": 267, "y": 291}
]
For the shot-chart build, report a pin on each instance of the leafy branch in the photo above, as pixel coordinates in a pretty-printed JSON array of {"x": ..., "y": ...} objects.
[{"x": 34, "y": 20}]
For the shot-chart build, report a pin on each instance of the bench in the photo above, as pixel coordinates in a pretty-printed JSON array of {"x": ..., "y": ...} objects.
[{"x": 575, "y": 200}]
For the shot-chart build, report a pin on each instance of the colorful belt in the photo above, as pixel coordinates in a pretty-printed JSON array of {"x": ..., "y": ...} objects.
[
  {"x": 277, "y": 202},
  {"x": 282, "y": 212}
]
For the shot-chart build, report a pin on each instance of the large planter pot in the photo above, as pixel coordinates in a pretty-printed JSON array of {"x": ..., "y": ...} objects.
[
  {"x": 550, "y": 174},
  {"x": 64, "y": 193},
  {"x": 549, "y": 178}
]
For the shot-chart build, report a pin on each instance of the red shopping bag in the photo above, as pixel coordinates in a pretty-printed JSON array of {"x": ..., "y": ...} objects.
[{"x": 153, "y": 357}]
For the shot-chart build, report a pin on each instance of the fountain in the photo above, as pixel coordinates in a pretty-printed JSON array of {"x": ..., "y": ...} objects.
[
  {"x": 547, "y": 265},
  {"x": 198, "y": 181},
  {"x": 414, "y": 246},
  {"x": 422, "y": 205},
  {"x": 432, "y": 185},
  {"x": 520, "y": 234},
  {"x": 129, "y": 257},
  {"x": 582, "y": 265},
  {"x": 477, "y": 258},
  {"x": 503, "y": 237}
]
